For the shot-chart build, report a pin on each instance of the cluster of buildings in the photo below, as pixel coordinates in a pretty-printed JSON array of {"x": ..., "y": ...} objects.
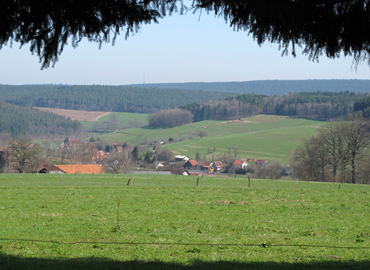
[{"x": 217, "y": 166}]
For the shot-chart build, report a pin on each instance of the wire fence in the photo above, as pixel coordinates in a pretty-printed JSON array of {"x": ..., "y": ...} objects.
[{"x": 264, "y": 245}]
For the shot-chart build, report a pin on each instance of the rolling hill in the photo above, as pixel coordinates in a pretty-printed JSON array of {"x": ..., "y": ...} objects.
[{"x": 259, "y": 137}]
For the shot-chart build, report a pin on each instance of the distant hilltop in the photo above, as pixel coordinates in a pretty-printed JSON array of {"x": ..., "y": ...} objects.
[{"x": 270, "y": 87}]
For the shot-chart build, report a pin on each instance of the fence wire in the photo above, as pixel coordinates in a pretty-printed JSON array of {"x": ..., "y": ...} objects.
[{"x": 264, "y": 245}]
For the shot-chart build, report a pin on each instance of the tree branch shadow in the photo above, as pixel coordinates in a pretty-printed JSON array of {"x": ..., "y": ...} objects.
[{"x": 8, "y": 262}]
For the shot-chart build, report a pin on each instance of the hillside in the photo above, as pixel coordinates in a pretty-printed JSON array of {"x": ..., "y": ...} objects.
[
  {"x": 22, "y": 121},
  {"x": 260, "y": 137},
  {"x": 103, "y": 98},
  {"x": 271, "y": 87}
]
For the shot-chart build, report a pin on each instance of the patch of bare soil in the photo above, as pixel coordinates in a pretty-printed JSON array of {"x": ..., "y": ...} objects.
[{"x": 75, "y": 114}]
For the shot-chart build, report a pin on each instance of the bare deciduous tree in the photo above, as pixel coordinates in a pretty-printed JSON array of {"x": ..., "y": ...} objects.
[
  {"x": 357, "y": 137},
  {"x": 340, "y": 147},
  {"x": 21, "y": 153},
  {"x": 121, "y": 161}
]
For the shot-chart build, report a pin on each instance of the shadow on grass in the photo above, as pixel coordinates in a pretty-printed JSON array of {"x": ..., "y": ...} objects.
[{"x": 14, "y": 262}]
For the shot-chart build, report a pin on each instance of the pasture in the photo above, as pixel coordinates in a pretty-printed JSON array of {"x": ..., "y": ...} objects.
[
  {"x": 267, "y": 137},
  {"x": 124, "y": 118},
  {"x": 167, "y": 222}
]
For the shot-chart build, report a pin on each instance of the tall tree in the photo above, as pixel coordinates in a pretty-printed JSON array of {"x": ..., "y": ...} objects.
[
  {"x": 339, "y": 147},
  {"x": 357, "y": 136},
  {"x": 21, "y": 153},
  {"x": 120, "y": 161}
]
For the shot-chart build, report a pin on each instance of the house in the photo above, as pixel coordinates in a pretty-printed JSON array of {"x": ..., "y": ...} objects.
[
  {"x": 119, "y": 148},
  {"x": 179, "y": 158},
  {"x": 100, "y": 157},
  {"x": 72, "y": 169},
  {"x": 217, "y": 166},
  {"x": 48, "y": 168},
  {"x": 158, "y": 165},
  {"x": 241, "y": 164},
  {"x": 204, "y": 165},
  {"x": 191, "y": 164}
]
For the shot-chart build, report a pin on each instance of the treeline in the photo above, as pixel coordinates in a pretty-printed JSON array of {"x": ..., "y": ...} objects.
[
  {"x": 103, "y": 98},
  {"x": 272, "y": 87},
  {"x": 339, "y": 153},
  {"x": 311, "y": 105},
  {"x": 21, "y": 121},
  {"x": 170, "y": 118},
  {"x": 362, "y": 107}
]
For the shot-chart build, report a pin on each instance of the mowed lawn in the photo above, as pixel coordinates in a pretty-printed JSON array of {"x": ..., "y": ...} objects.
[
  {"x": 267, "y": 137},
  {"x": 167, "y": 222}
]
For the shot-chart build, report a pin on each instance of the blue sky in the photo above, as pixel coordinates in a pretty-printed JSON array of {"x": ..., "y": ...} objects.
[{"x": 188, "y": 48}]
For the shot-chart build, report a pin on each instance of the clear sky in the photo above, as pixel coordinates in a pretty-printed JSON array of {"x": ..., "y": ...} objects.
[{"x": 188, "y": 48}]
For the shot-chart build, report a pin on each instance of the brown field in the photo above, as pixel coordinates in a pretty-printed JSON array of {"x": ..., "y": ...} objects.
[{"x": 76, "y": 115}]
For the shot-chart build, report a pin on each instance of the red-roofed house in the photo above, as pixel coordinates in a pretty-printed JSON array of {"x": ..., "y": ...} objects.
[
  {"x": 191, "y": 164},
  {"x": 204, "y": 165},
  {"x": 241, "y": 164},
  {"x": 217, "y": 166}
]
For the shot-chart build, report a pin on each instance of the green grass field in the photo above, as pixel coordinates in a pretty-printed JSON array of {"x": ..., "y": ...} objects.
[
  {"x": 167, "y": 222},
  {"x": 259, "y": 137},
  {"x": 121, "y": 116}
]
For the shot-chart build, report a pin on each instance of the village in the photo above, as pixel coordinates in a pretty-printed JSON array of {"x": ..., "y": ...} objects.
[{"x": 79, "y": 157}]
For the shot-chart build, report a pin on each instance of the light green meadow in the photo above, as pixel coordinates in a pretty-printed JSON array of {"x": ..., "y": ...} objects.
[
  {"x": 167, "y": 222},
  {"x": 267, "y": 137}
]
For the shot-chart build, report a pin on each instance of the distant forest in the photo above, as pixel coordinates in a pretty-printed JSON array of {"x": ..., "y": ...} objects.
[
  {"x": 22, "y": 121},
  {"x": 311, "y": 105},
  {"x": 18, "y": 119},
  {"x": 271, "y": 87},
  {"x": 103, "y": 98}
]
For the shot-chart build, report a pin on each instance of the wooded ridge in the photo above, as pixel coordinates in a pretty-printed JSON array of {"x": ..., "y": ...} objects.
[
  {"x": 21, "y": 121},
  {"x": 103, "y": 98},
  {"x": 271, "y": 87}
]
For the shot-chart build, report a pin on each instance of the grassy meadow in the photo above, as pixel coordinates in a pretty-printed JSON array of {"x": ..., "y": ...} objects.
[
  {"x": 167, "y": 222},
  {"x": 121, "y": 117},
  {"x": 267, "y": 137}
]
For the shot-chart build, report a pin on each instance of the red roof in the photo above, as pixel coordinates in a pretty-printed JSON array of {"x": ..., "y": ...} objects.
[
  {"x": 239, "y": 162},
  {"x": 204, "y": 163},
  {"x": 218, "y": 164},
  {"x": 193, "y": 162},
  {"x": 85, "y": 169}
]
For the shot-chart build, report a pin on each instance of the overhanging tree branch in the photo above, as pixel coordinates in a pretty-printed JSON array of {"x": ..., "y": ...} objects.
[{"x": 329, "y": 27}]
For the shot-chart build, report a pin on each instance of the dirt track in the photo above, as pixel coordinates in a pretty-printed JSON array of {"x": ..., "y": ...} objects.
[{"x": 76, "y": 115}]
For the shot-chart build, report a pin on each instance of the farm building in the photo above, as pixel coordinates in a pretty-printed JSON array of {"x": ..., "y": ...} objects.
[
  {"x": 191, "y": 164},
  {"x": 47, "y": 168},
  {"x": 72, "y": 169},
  {"x": 203, "y": 165},
  {"x": 179, "y": 158}
]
